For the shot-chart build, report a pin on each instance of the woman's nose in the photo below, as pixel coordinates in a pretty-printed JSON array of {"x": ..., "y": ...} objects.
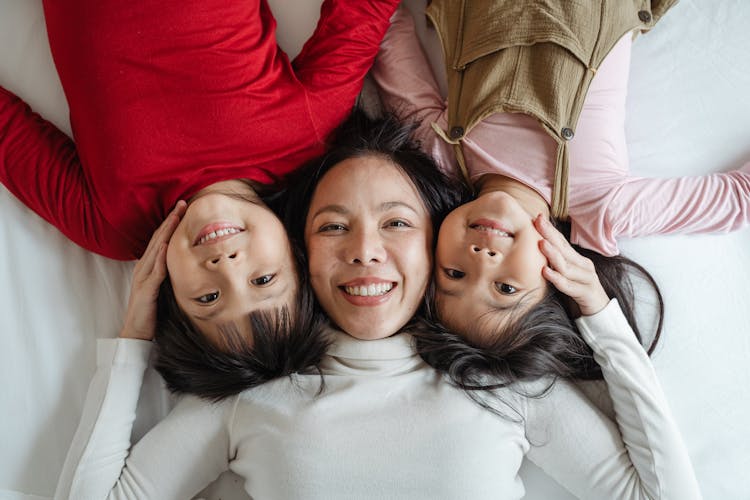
[{"x": 367, "y": 248}]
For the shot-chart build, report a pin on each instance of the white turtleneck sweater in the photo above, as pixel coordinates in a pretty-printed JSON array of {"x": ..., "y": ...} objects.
[{"x": 385, "y": 426}]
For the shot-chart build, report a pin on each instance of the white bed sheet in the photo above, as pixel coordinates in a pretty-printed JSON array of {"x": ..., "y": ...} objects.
[{"x": 689, "y": 113}]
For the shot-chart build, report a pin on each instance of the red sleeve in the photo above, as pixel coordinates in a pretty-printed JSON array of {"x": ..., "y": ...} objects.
[
  {"x": 333, "y": 63},
  {"x": 40, "y": 166}
]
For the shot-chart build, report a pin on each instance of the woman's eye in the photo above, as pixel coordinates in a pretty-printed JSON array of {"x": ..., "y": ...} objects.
[
  {"x": 331, "y": 227},
  {"x": 263, "y": 280},
  {"x": 505, "y": 288},
  {"x": 208, "y": 298},
  {"x": 397, "y": 223},
  {"x": 454, "y": 274}
]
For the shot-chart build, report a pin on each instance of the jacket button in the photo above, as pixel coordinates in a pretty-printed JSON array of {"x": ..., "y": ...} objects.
[
  {"x": 644, "y": 16},
  {"x": 567, "y": 133},
  {"x": 457, "y": 132}
]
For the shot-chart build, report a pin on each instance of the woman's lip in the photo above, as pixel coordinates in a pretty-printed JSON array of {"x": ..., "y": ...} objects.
[
  {"x": 367, "y": 291},
  {"x": 208, "y": 233}
]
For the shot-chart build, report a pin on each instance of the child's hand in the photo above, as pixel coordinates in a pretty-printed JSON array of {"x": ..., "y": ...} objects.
[
  {"x": 148, "y": 274},
  {"x": 570, "y": 272}
]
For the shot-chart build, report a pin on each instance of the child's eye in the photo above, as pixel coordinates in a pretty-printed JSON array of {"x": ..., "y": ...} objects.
[
  {"x": 263, "y": 280},
  {"x": 505, "y": 288},
  {"x": 454, "y": 274},
  {"x": 331, "y": 227},
  {"x": 208, "y": 298}
]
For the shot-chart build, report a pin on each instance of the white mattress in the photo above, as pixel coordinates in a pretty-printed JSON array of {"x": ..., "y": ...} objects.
[{"x": 689, "y": 113}]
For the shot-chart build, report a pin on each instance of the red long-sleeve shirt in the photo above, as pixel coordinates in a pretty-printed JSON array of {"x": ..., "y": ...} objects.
[{"x": 169, "y": 96}]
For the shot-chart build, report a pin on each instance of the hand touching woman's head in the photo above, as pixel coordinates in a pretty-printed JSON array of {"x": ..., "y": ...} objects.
[{"x": 367, "y": 213}]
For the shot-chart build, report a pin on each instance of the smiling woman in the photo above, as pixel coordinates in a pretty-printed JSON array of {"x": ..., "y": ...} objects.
[
  {"x": 369, "y": 212},
  {"x": 369, "y": 249}
]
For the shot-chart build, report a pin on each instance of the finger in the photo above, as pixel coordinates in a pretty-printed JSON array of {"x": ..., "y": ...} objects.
[
  {"x": 551, "y": 234},
  {"x": 179, "y": 208},
  {"x": 146, "y": 263},
  {"x": 159, "y": 270},
  {"x": 561, "y": 282},
  {"x": 560, "y": 263},
  {"x": 169, "y": 226},
  {"x": 554, "y": 257},
  {"x": 548, "y": 231},
  {"x": 165, "y": 230},
  {"x": 172, "y": 220},
  {"x": 159, "y": 236},
  {"x": 590, "y": 298}
]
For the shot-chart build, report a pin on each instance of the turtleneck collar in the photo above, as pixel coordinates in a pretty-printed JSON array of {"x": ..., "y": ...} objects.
[{"x": 384, "y": 357}]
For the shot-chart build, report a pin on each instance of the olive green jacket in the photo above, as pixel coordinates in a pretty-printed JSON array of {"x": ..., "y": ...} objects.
[{"x": 530, "y": 56}]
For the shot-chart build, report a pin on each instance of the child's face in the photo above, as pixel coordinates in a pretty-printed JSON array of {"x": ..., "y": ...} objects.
[
  {"x": 368, "y": 238},
  {"x": 487, "y": 260},
  {"x": 227, "y": 258}
]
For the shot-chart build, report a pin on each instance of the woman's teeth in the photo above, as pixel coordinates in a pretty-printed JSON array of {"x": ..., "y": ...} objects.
[
  {"x": 372, "y": 290},
  {"x": 217, "y": 234}
]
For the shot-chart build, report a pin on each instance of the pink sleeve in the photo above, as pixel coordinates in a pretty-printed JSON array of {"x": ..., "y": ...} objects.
[
  {"x": 713, "y": 203},
  {"x": 333, "y": 63},
  {"x": 39, "y": 165},
  {"x": 405, "y": 81}
]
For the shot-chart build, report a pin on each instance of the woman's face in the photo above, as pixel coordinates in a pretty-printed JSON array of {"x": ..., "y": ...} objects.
[
  {"x": 368, "y": 238},
  {"x": 228, "y": 257},
  {"x": 487, "y": 262}
]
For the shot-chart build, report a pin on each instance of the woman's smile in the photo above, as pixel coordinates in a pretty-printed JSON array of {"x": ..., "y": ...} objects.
[{"x": 367, "y": 291}]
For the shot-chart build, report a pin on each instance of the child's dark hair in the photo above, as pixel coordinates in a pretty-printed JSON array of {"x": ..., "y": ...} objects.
[
  {"x": 283, "y": 342},
  {"x": 361, "y": 135},
  {"x": 540, "y": 342}
]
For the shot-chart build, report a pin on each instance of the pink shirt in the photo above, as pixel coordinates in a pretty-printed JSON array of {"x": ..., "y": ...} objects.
[{"x": 606, "y": 202}]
